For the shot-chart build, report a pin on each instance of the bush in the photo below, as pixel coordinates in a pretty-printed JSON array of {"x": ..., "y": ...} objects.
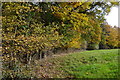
[{"x": 93, "y": 46}]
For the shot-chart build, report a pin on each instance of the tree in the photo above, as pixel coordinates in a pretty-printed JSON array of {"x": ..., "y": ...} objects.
[{"x": 109, "y": 37}]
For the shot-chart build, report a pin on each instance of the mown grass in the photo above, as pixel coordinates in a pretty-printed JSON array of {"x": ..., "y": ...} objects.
[{"x": 87, "y": 64}]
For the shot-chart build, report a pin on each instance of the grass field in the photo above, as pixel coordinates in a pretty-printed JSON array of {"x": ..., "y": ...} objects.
[{"x": 87, "y": 64}]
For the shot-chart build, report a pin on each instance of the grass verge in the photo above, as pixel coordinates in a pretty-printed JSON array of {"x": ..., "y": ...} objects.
[{"x": 87, "y": 64}]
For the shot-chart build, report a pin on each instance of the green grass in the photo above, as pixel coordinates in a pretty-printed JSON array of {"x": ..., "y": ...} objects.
[{"x": 87, "y": 64}]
